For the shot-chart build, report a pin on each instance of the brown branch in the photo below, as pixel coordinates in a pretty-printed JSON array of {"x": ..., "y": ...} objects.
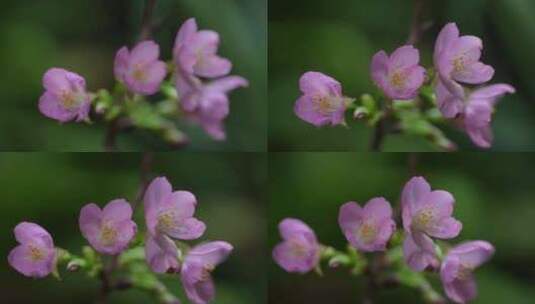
[
  {"x": 146, "y": 22},
  {"x": 416, "y": 28}
]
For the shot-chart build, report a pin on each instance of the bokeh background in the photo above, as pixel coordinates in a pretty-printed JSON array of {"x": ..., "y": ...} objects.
[
  {"x": 84, "y": 35},
  {"x": 494, "y": 201},
  {"x": 340, "y": 37},
  {"x": 50, "y": 189}
]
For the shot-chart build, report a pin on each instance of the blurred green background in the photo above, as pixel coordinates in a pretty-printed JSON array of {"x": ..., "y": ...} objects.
[
  {"x": 340, "y": 37},
  {"x": 494, "y": 201},
  {"x": 84, "y": 35},
  {"x": 50, "y": 189}
]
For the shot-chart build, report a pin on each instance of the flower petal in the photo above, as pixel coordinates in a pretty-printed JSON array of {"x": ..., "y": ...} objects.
[
  {"x": 161, "y": 254},
  {"x": 379, "y": 68},
  {"x": 461, "y": 291},
  {"x": 378, "y": 208},
  {"x": 315, "y": 83},
  {"x": 50, "y": 106},
  {"x": 121, "y": 63},
  {"x": 188, "y": 229},
  {"x": 117, "y": 210},
  {"x": 304, "y": 109},
  {"x": 19, "y": 259},
  {"x": 349, "y": 217},
  {"x": 449, "y": 105},
  {"x": 26, "y": 232},
  {"x": 447, "y": 36},
  {"x": 474, "y": 253},
  {"x": 404, "y": 57},
  {"x": 145, "y": 52},
  {"x": 419, "y": 253},
  {"x": 211, "y": 253},
  {"x": 475, "y": 73},
  {"x": 291, "y": 227}
]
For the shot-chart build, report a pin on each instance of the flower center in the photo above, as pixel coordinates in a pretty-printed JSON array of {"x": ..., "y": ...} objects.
[
  {"x": 325, "y": 104},
  {"x": 464, "y": 272},
  {"x": 298, "y": 249},
  {"x": 423, "y": 218},
  {"x": 206, "y": 271},
  {"x": 69, "y": 99},
  {"x": 398, "y": 80},
  {"x": 108, "y": 235},
  {"x": 166, "y": 221},
  {"x": 458, "y": 64},
  {"x": 138, "y": 73},
  {"x": 36, "y": 254},
  {"x": 367, "y": 232}
]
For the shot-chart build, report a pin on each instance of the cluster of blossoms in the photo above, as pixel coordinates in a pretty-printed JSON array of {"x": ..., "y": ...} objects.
[
  {"x": 199, "y": 81},
  {"x": 110, "y": 231},
  {"x": 426, "y": 214},
  {"x": 400, "y": 77}
]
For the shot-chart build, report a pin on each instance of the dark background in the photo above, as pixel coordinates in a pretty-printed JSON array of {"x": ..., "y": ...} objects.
[
  {"x": 84, "y": 35},
  {"x": 340, "y": 37},
  {"x": 494, "y": 201},
  {"x": 50, "y": 189}
]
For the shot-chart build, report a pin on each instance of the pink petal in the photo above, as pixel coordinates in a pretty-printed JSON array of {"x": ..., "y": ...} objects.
[
  {"x": 18, "y": 258},
  {"x": 474, "y": 253},
  {"x": 449, "y": 105},
  {"x": 26, "y": 232},
  {"x": 492, "y": 92},
  {"x": 161, "y": 254},
  {"x": 379, "y": 68},
  {"x": 55, "y": 80},
  {"x": 315, "y": 83},
  {"x": 349, "y": 217},
  {"x": 462, "y": 291},
  {"x": 475, "y": 73},
  {"x": 227, "y": 84},
  {"x": 290, "y": 227},
  {"x": 117, "y": 210},
  {"x": 158, "y": 190},
  {"x": 378, "y": 208},
  {"x": 404, "y": 57},
  {"x": 121, "y": 63},
  {"x": 305, "y": 110},
  {"x": 206, "y": 42},
  {"x": 188, "y": 229},
  {"x": 211, "y": 253},
  {"x": 50, "y": 106},
  {"x": 447, "y": 36},
  {"x": 412, "y": 197},
  {"x": 467, "y": 47},
  {"x": 419, "y": 252},
  {"x": 211, "y": 66},
  {"x": 186, "y": 31},
  {"x": 145, "y": 52}
]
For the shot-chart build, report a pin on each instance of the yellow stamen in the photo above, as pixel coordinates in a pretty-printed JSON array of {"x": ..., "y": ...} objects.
[
  {"x": 166, "y": 221},
  {"x": 325, "y": 104},
  {"x": 423, "y": 218},
  {"x": 36, "y": 254},
  {"x": 458, "y": 64},
  {"x": 398, "y": 80},
  {"x": 367, "y": 232},
  {"x": 108, "y": 235}
]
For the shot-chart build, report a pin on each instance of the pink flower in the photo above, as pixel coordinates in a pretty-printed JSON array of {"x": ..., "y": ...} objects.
[
  {"x": 299, "y": 251},
  {"x": 161, "y": 254},
  {"x": 109, "y": 230},
  {"x": 322, "y": 102},
  {"x": 65, "y": 97},
  {"x": 208, "y": 104},
  {"x": 198, "y": 264},
  {"x": 195, "y": 52},
  {"x": 369, "y": 228},
  {"x": 425, "y": 214},
  {"x": 140, "y": 69},
  {"x": 474, "y": 113},
  {"x": 399, "y": 76},
  {"x": 171, "y": 213},
  {"x": 456, "y": 59},
  {"x": 35, "y": 256},
  {"x": 457, "y": 267}
]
